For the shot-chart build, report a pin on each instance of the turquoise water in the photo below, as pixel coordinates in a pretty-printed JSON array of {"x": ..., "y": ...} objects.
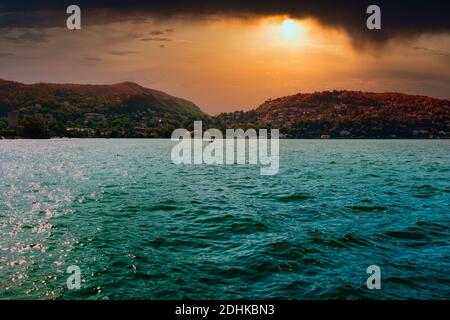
[{"x": 140, "y": 227}]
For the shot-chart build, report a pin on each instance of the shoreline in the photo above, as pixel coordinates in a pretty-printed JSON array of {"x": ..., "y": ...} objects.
[{"x": 166, "y": 138}]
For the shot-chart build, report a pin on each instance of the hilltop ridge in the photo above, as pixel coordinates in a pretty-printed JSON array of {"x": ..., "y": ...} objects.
[
  {"x": 124, "y": 109},
  {"x": 349, "y": 114}
]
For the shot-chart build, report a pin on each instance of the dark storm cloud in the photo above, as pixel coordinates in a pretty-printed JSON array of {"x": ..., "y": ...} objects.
[{"x": 399, "y": 18}]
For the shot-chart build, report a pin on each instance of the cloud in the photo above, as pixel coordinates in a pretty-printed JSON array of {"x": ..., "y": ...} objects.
[
  {"x": 157, "y": 32},
  {"x": 400, "y": 18},
  {"x": 89, "y": 58},
  {"x": 122, "y": 53},
  {"x": 432, "y": 51},
  {"x": 35, "y": 37},
  {"x": 400, "y": 74},
  {"x": 156, "y": 39}
]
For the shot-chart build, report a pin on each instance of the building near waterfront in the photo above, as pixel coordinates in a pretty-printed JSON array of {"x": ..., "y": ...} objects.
[{"x": 13, "y": 119}]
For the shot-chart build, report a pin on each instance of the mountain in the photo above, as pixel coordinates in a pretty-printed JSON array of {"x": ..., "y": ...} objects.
[
  {"x": 349, "y": 114},
  {"x": 119, "y": 109},
  {"x": 130, "y": 110}
]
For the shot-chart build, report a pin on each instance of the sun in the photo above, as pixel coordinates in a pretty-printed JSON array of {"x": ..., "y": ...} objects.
[
  {"x": 290, "y": 28},
  {"x": 284, "y": 32},
  {"x": 292, "y": 33}
]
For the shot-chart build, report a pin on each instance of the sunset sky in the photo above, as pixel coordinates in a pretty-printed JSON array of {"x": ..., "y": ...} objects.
[{"x": 229, "y": 57}]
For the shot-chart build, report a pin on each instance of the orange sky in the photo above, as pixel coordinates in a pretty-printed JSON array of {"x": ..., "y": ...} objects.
[{"x": 225, "y": 64}]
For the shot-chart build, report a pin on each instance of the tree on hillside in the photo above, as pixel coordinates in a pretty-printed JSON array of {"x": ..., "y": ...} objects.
[
  {"x": 34, "y": 129},
  {"x": 56, "y": 128}
]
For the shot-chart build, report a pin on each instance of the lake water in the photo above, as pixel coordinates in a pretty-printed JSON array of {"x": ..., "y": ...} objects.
[{"x": 140, "y": 227}]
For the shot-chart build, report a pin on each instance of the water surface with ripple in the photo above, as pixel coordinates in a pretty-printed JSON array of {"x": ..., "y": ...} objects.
[{"x": 141, "y": 227}]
